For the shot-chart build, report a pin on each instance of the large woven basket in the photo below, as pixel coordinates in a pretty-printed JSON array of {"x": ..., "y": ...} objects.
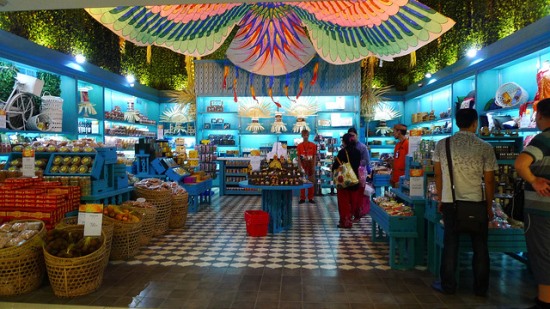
[
  {"x": 125, "y": 239},
  {"x": 107, "y": 228},
  {"x": 178, "y": 216},
  {"x": 149, "y": 219},
  {"x": 22, "y": 268},
  {"x": 70, "y": 277},
  {"x": 162, "y": 199}
]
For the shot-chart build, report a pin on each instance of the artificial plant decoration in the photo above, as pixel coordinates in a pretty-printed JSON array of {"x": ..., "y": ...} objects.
[
  {"x": 8, "y": 72},
  {"x": 371, "y": 96},
  {"x": 301, "y": 109},
  {"x": 255, "y": 110}
]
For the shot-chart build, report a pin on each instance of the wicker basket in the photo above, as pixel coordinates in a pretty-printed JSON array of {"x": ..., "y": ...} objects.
[
  {"x": 178, "y": 216},
  {"x": 22, "y": 268},
  {"x": 107, "y": 228},
  {"x": 149, "y": 219},
  {"x": 70, "y": 277},
  {"x": 51, "y": 102},
  {"x": 162, "y": 199},
  {"x": 125, "y": 238}
]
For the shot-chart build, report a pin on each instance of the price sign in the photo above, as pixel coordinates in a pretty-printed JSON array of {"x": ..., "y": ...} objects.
[
  {"x": 91, "y": 215},
  {"x": 415, "y": 137},
  {"x": 160, "y": 131},
  {"x": 28, "y": 163},
  {"x": 416, "y": 184},
  {"x": 2, "y": 119}
]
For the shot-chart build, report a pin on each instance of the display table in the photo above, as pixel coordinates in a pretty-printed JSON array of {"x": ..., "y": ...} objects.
[
  {"x": 199, "y": 192},
  {"x": 277, "y": 201}
]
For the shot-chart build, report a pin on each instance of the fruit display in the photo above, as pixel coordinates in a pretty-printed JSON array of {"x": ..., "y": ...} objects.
[
  {"x": 393, "y": 207},
  {"x": 71, "y": 164},
  {"x": 81, "y": 145},
  {"x": 276, "y": 173},
  {"x": 157, "y": 184},
  {"x": 14, "y": 234},
  {"x": 70, "y": 244},
  {"x": 120, "y": 213}
]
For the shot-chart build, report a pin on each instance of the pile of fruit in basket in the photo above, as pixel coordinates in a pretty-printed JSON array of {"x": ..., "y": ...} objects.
[
  {"x": 120, "y": 213},
  {"x": 393, "y": 207},
  {"x": 69, "y": 244},
  {"x": 16, "y": 233}
]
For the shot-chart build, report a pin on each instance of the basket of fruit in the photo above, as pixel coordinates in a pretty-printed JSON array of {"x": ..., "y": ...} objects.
[
  {"x": 127, "y": 229},
  {"x": 156, "y": 192},
  {"x": 178, "y": 216},
  {"x": 149, "y": 216},
  {"x": 21, "y": 259},
  {"x": 107, "y": 228},
  {"x": 75, "y": 263}
]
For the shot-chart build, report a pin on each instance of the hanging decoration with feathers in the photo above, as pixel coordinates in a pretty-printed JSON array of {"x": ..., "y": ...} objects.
[
  {"x": 278, "y": 125},
  {"x": 385, "y": 112},
  {"x": 254, "y": 110},
  {"x": 131, "y": 115},
  {"x": 301, "y": 109}
]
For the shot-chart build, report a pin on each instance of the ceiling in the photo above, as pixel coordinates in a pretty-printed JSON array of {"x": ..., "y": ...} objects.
[{"x": 33, "y": 5}]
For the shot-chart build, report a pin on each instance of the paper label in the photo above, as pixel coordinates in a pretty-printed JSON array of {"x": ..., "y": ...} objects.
[
  {"x": 160, "y": 131},
  {"x": 92, "y": 227},
  {"x": 28, "y": 163},
  {"x": 2, "y": 119},
  {"x": 416, "y": 187}
]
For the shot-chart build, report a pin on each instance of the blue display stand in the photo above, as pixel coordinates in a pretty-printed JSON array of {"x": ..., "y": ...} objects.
[
  {"x": 198, "y": 193},
  {"x": 111, "y": 197},
  {"x": 277, "y": 201}
]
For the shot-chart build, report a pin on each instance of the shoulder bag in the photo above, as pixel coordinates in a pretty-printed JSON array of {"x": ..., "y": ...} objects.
[
  {"x": 344, "y": 176},
  {"x": 470, "y": 217}
]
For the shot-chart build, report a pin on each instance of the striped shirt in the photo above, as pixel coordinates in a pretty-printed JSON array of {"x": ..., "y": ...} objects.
[{"x": 539, "y": 149}]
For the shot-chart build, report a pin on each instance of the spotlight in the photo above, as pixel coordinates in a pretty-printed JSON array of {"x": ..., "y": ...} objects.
[
  {"x": 428, "y": 75},
  {"x": 80, "y": 58},
  {"x": 130, "y": 79},
  {"x": 471, "y": 53}
]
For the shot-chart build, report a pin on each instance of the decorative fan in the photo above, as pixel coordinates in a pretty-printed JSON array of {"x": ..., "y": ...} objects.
[
  {"x": 186, "y": 97},
  {"x": 278, "y": 125},
  {"x": 301, "y": 109},
  {"x": 255, "y": 110},
  {"x": 385, "y": 112},
  {"x": 176, "y": 114}
]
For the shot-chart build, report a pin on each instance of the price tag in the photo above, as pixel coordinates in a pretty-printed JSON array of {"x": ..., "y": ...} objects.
[
  {"x": 416, "y": 186},
  {"x": 160, "y": 131},
  {"x": 91, "y": 215},
  {"x": 415, "y": 137},
  {"x": 2, "y": 119},
  {"x": 28, "y": 163}
]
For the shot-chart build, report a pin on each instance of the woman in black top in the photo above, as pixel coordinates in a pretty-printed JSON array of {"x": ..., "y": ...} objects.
[{"x": 351, "y": 195}]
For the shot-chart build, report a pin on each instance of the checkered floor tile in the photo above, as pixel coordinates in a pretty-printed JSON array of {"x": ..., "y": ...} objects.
[{"x": 216, "y": 237}]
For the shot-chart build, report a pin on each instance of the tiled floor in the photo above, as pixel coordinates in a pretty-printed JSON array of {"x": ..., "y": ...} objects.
[{"x": 212, "y": 263}]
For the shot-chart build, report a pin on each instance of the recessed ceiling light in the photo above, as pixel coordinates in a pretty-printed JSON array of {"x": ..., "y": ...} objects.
[
  {"x": 428, "y": 75},
  {"x": 471, "y": 53}
]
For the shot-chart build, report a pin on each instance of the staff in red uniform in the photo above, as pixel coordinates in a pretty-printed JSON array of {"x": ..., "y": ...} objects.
[
  {"x": 399, "y": 153},
  {"x": 307, "y": 159}
]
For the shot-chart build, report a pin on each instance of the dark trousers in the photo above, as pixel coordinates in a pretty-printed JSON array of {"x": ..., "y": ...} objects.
[{"x": 449, "y": 258}]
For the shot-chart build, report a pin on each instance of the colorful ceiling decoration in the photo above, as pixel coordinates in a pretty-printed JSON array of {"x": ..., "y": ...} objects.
[{"x": 276, "y": 38}]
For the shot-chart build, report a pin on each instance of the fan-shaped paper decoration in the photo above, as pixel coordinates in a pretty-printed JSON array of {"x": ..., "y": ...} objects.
[
  {"x": 272, "y": 38},
  {"x": 302, "y": 107},
  {"x": 177, "y": 114},
  {"x": 510, "y": 94},
  {"x": 385, "y": 112},
  {"x": 253, "y": 109}
]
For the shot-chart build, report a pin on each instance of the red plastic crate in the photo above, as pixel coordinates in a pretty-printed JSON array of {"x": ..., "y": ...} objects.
[{"x": 257, "y": 222}]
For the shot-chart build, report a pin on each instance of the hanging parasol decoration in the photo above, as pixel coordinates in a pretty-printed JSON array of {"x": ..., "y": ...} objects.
[
  {"x": 276, "y": 38},
  {"x": 301, "y": 109},
  {"x": 255, "y": 110}
]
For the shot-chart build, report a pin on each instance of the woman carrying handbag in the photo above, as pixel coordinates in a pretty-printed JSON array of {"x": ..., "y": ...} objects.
[{"x": 348, "y": 188}]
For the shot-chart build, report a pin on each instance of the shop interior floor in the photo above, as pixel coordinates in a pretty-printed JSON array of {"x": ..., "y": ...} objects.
[{"x": 212, "y": 263}]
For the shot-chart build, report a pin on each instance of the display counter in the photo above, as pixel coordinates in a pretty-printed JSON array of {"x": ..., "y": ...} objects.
[{"x": 277, "y": 201}]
